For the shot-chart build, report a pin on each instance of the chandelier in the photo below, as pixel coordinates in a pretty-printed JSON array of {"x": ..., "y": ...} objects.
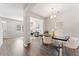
[{"x": 53, "y": 14}]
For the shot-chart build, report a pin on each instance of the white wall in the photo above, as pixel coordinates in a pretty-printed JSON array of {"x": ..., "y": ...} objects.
[
  {"x": 48, "y": 25},
  {"x": 10, "y": 28},
  {"x": 70, "y": 18}
]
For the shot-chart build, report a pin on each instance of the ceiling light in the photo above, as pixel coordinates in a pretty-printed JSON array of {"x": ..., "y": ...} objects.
[{"x": 52, "y": 16}]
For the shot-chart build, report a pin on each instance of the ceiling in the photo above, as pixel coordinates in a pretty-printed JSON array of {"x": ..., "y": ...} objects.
[
  {"x": 12, "y": 10},
  {"x": 45, "y": 9},
  {"x": 15, "y": 10}
]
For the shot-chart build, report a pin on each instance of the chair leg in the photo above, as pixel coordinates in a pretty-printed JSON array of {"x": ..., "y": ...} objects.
[
  {"x": 49, "y": 49},
  {"x": 73, "y": 52}
]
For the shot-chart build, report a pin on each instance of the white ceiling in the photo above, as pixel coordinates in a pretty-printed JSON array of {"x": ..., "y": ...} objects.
[
  {"x": 12, "y": 10},
  {"x": 15, "y": 10},
  {"x": 45, "y": 9}
]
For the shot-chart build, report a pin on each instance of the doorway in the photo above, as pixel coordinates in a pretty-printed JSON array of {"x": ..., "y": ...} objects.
[
  {"x": 36, "y": 26},
  {"x": 1, "y": 34}
]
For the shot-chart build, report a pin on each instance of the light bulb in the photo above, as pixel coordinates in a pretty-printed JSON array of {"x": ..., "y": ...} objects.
[
  {"x": 51, "y": 17},
  {"x": 54, "y": 16}
]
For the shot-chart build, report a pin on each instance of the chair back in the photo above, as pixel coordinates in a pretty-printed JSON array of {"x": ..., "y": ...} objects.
[{"x": 47, "y": 40}]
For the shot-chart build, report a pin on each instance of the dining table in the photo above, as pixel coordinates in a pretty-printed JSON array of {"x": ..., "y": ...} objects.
[{"x": 60, "y": 46}]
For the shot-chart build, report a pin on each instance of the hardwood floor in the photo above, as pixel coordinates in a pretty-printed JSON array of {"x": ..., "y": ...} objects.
[{"x": 14, "y": 47}]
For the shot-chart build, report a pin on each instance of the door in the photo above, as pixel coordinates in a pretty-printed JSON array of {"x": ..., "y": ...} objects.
[
  {"x": 1, "y": 34},
  {"x": 4, "y": 28}
]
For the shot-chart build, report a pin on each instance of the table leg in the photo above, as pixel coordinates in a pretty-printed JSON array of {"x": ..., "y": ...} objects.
[{"x": 60, "y": 52}]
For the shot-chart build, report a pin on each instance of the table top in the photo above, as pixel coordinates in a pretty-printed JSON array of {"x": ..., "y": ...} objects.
[{"x": 65, "y": 38}]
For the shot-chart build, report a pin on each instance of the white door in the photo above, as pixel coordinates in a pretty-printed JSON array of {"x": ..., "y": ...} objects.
[
  {"x": 4, "y": 30},
  {"x": 1, "y": 34}
]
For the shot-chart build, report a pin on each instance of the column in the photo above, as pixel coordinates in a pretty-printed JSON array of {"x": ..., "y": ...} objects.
[{"x": 26, "y": 23}]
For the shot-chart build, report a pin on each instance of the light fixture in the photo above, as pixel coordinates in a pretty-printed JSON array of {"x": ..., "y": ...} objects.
[
  {"x": 53, "y": 14},
  {"x": 51, "y": 17}
]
